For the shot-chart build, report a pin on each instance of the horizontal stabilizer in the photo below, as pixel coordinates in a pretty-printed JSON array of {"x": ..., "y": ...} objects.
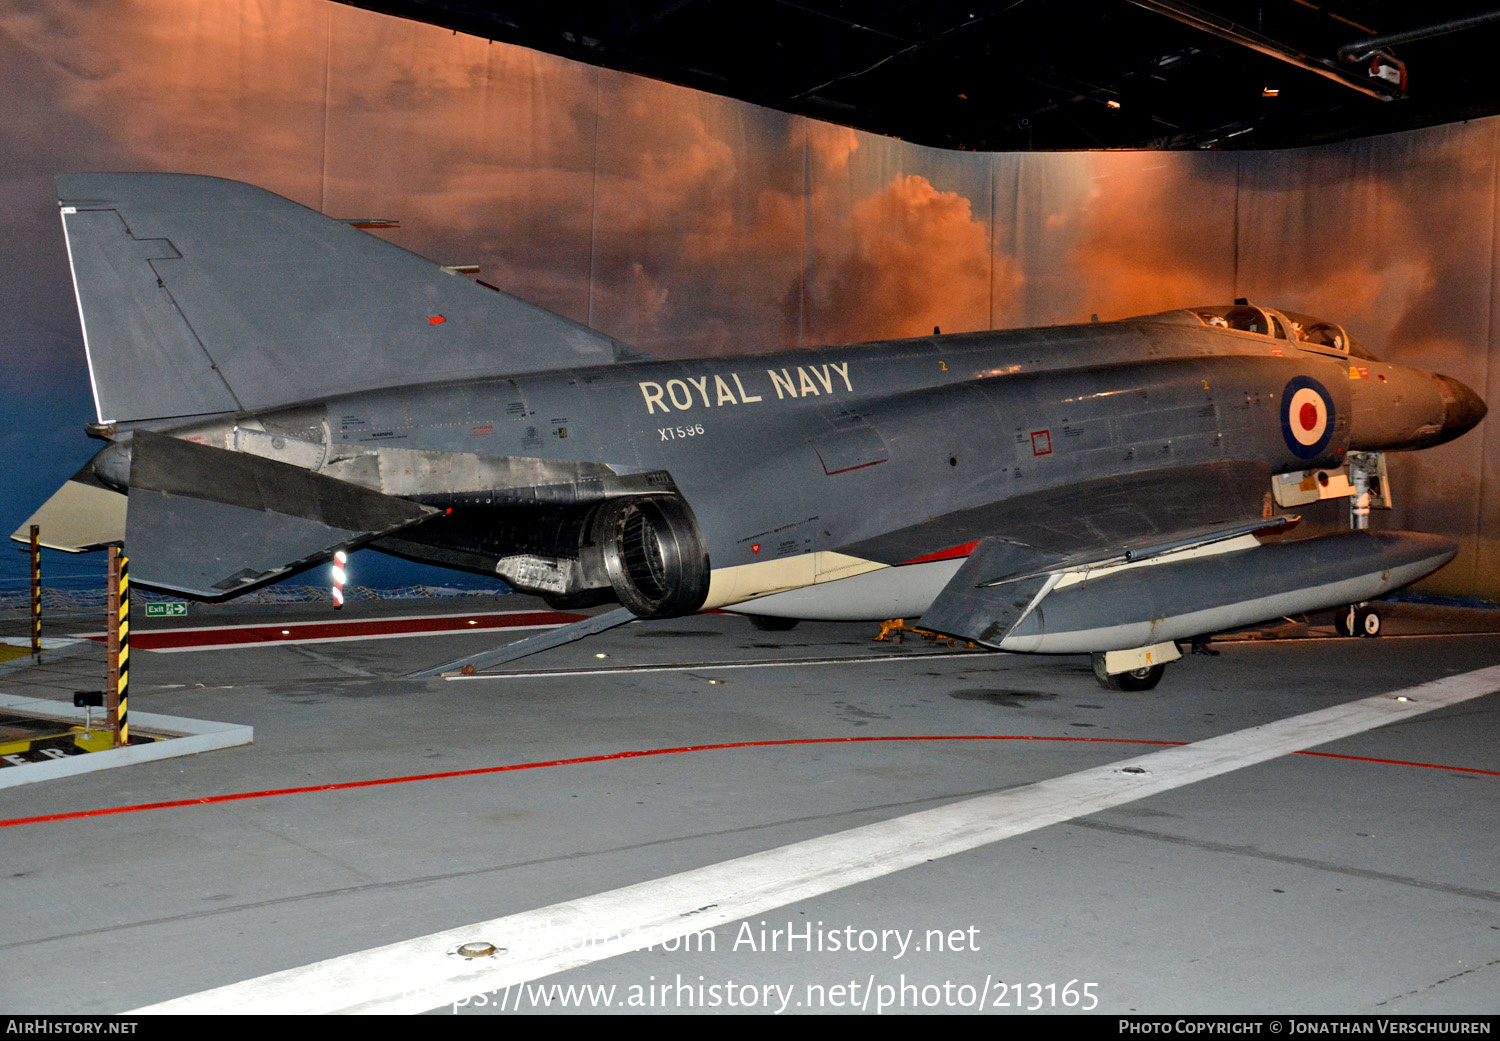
[
  {"x": 210, "y": 523},
  {"x": 200, "y": 295},
  {"x": 83, "y": 514}
]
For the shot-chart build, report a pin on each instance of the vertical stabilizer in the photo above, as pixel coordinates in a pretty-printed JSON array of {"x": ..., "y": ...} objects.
[{"x": 200, "y": 295}]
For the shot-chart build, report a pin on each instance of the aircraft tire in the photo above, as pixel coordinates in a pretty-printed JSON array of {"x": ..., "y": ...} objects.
[
  {"x": 1368, "y": 621},
  {"x": 1141, "y": 679},
  {"x": 1136, "y": 679},
  {"x": 767, "y": 624},
  {"x": 1346, "y": 620}
]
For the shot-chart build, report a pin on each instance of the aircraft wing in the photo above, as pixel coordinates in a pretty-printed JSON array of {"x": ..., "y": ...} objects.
[
  {"x": 1102, "y": 517},
  {"x": 1001, "y": 583},
  {"x": 1127, "y": 566},
  {"x": 1026, "y": 544}
]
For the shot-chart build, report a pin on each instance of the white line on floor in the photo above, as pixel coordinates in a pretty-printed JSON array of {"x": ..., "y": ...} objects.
[
  {"x": 426, "y": 973},
  {"x": 289, "y": 642},
  {"x": 605, "y": 670},
  {"x": 331, "y": 619}
]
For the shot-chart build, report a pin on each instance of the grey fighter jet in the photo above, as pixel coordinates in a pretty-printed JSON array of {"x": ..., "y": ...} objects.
[{"x": 276, "y": 385}]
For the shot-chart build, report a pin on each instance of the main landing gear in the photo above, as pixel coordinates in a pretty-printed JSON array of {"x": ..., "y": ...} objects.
[
  {"x": 770, "y": 624},
  {"x": 1144, "y": 678},
  {"x": 1357, "y": 620}
]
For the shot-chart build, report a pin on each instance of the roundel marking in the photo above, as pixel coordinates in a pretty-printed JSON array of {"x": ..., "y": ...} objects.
[{"x": 1306, "y": 417}]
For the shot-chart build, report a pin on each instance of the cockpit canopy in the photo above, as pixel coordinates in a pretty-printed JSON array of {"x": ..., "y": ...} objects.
[{"x": 1303, "y": 330}]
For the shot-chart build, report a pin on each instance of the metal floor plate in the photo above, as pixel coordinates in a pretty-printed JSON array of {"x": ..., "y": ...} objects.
[{"x": 373, "y": 809}]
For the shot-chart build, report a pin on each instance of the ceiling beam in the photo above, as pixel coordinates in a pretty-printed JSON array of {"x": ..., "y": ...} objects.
[
  {"x": 1227, "y": 29},
  {"x": 1359, "y": 49}
]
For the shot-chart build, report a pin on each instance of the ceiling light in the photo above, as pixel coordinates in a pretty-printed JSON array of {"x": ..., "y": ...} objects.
[
  {"x": 1112, "y": 103},
  {"x": 1270, "y": 92}
]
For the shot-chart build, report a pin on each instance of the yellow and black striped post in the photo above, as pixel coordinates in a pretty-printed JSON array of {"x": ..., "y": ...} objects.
[
  {"x": 118, "y": 689},
  {"x": 122, "y": 738},
  {"x": 36, "y": 589}
]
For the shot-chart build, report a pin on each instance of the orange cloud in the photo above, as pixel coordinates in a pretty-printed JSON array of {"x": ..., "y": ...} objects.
[
  {"x": 1152, "y": 237},
  {"x": 831, "y": 145},
  {"x": 917, "y": 258}
]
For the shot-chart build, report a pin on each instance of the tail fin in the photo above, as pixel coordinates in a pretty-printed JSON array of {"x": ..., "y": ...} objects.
[{"x": 200, "y": 295}]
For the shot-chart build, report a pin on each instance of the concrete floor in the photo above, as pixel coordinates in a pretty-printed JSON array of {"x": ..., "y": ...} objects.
[{"x": 1302, "y": 884}]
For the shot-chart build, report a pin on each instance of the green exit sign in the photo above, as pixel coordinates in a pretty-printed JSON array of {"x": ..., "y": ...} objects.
[{"x": 168, "y": 610}]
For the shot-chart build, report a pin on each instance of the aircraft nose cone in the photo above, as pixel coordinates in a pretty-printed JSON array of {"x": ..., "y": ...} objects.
[{"x": 1462, "y": 408}]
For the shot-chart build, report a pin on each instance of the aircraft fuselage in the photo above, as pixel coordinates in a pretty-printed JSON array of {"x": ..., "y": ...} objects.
[{"x": 812, "y": 465}]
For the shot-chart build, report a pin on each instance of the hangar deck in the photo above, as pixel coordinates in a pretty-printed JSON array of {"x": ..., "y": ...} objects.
[{"x": 1364, "y": 881}]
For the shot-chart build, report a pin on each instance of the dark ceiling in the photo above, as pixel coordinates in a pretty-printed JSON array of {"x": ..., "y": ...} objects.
[{"x": 1009, "y": 75}]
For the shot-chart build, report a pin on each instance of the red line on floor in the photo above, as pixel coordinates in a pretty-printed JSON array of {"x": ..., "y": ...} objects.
[
  {"x": 164, "y": 639},
  {"x": 208, "y": 800},
  {"x": 480, "y": 771},
  {"x": 1403, "y": 762}
]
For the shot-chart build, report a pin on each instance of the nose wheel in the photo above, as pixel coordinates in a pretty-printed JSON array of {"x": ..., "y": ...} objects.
[{"x": 1357, "y": 620}]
